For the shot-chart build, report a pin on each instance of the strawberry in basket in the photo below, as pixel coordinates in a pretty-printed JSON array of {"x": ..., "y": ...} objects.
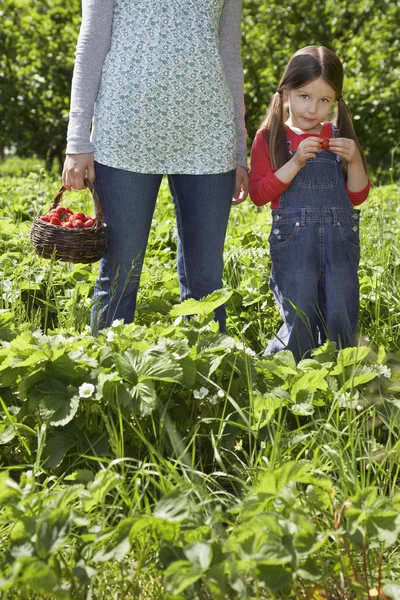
[{"x": 72, "y": 237}]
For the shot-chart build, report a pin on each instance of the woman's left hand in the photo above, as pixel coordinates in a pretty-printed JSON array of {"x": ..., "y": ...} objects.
[
  {"x": 241, "y": 186},
  {"x": 344, "y": 147}
]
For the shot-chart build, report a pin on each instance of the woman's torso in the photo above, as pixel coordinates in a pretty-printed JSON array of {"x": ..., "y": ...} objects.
[{"x": 164, "y": 105}]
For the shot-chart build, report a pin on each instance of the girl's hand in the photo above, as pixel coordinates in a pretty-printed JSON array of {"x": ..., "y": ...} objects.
[
  {"x": 75, "y": 168},
  {"x": 308, "y": 148},
  {"x": 346, "y": 148},
  {"x": 241, "y": 186}
]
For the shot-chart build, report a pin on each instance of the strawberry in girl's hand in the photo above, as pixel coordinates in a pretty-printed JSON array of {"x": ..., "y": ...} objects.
[{"x": 325, "y": 144}]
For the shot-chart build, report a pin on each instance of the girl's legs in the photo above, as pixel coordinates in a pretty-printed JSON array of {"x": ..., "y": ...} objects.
[
  {"x": 127, "y": 200},
  {"x": 202, "y": 206},
  {"x": 295, "y": 276},
  {"x": 341, "y": 282}
]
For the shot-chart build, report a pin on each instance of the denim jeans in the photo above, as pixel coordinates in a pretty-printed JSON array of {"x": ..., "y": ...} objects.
[
  {"x": 202, "y": 205},
  {"x": 315, "y": 252}
]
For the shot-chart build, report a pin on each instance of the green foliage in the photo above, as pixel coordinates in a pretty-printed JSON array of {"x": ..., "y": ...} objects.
[
  {"x": 163, "y": 459},
  {"x": 37, "y": 45},
  {"x": 37, "y": 42}
]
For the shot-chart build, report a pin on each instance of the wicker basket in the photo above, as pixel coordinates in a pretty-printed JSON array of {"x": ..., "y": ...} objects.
[{"x": 86, "y": 245}]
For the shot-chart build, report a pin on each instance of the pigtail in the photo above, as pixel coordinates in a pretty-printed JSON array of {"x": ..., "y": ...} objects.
[
  {"x": 274, "y": 127},
  {"x": 344, "y": 124}
]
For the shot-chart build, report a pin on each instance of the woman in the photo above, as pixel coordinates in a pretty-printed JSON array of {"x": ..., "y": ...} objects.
[{"x": 163, "y": 84}]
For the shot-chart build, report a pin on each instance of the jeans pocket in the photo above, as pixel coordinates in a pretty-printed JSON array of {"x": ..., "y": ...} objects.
[
  {"x": 350, "y": 232},
  {"x": 282, "y": 234},
  {"x": 318, "y": 174}
]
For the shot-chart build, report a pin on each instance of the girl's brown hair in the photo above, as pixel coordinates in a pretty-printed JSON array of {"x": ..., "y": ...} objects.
[{"x": 306, "y": 65}]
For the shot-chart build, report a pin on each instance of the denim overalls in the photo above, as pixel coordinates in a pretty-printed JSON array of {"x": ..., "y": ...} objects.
[{"x": 315, "y": 252}]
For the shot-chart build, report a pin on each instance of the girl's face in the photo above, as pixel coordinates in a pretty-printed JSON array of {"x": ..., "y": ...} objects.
[{"x": 309, "y": 105}]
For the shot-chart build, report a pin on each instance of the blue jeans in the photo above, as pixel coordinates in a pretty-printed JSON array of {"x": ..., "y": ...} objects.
[{"x": 202, "y": 205}]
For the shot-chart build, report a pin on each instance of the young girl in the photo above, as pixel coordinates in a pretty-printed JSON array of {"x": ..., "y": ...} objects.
[{"x": 313, "y": 172}]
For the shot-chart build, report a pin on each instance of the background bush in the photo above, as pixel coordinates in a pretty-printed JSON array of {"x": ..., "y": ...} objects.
[{"x": 37, "y": 42}]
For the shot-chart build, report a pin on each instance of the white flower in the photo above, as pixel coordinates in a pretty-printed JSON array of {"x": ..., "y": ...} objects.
[
  {"x": 250, "y": 352},
  {"x": 220, "y": 393},
  {"x": 86, "y": 390},
  {"x": 110, "y": 336},
  {"x": 201, "y": 393},
  {"x": 213, "y": 399},
  {"x": 238, "y": 445},
  {"x": 175, "y": 355},
  {"x": 384, "y": 371},
  {"x": 117, "y": 322},
  {"x": 239, "y": 345}
]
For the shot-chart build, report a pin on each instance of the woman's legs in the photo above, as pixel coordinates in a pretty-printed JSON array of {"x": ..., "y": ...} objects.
[
  {"x": 202, "y": 206},
  {"x": 127, "y": 200}
]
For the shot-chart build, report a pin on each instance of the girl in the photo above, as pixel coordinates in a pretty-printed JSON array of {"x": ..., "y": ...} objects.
[
  {"x": 163, "y": 83},
  {"x": 313, "y": 172}
]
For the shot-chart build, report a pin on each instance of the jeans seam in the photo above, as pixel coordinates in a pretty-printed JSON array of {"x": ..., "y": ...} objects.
[{"x": 180, "y": 225}]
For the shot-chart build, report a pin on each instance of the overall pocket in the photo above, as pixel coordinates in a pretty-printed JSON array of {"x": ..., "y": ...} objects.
[
  {"x": 282, "y": 233},
  {"x": 318, "y": 174},
  {"x": 350, "y": 232}
]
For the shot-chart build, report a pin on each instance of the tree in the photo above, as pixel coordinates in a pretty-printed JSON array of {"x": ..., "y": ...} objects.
[{"x": 37, "y": 41}]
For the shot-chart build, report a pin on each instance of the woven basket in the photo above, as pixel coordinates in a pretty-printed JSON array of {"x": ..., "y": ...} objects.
[{"x": 86, "y": 245}]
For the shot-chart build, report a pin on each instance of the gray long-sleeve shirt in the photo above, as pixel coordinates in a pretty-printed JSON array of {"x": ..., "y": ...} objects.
[{"x": 162, "y": 82}]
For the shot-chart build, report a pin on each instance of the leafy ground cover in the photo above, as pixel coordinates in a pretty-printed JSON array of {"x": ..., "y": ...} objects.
[{"x": 165, "y": 460}]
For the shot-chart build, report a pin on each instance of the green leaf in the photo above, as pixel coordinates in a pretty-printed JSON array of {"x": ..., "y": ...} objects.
[
  {"x": 199, "y": 554},
  {"x": 204, "y": 306},
  {"x": 7, "y": 434},
  {"x": 392, "y": 590},
  {"x": 97, "y": 490},
  {"x": 55, "y": 449},
  {"x": 349, "y": 357},
  {"x": 57, "y": 405},
  {"x": 52, "y": 532},
  {"x": 144, "y": 398},
  {"x": 10, "y": 492},
  {"x": 310, "y": 382},
  {"x": 274, "y": 577},
  {"x": 127, "y": 366},
  {"x": 180, "y": 575},
  {"x": 264, "y": 407},
  {"x": 174, "y": 507}
]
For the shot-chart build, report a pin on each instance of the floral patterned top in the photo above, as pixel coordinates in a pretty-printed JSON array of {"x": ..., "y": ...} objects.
[{"x": 163, "y": 83}]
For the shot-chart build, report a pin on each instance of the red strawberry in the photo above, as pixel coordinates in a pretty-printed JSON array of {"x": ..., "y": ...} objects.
[
  {"x": 62, "y": 213},
  {"x": 89, "y": 223},
  {"x": 45, "y": 218},
  {"x": 55, "y": 221},
  {"x": 77, "y": 224},
  {"x": 80, "y": 217},
  {"x": 68, "y": 225},
  {"x": 325, "y": 144}
]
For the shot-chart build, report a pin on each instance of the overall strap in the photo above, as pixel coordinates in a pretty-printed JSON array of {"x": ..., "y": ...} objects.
[
  {"x": 335, "y": 134},
  {"x": 335, "y": 131}
]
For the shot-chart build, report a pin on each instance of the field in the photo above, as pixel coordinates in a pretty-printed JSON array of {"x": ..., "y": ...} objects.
[{"x": 163, "y": 460}]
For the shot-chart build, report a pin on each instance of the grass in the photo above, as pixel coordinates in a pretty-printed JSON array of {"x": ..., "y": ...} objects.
[{"x": 194, "y": 467}]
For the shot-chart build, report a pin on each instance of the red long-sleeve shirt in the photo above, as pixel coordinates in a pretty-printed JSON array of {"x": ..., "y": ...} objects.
[{"x": 266, "y": 187}]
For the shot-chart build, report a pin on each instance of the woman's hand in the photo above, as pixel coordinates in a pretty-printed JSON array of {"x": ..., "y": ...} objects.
[
  {"x": 346, "y": 148},
  {"x": 75, "y": 168},
  {"x": 308, "y": 148},
  {"x": 241, "y": 185}
]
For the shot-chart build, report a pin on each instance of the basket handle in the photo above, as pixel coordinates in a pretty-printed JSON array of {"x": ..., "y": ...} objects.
[{"x": 95, "y": 196}]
